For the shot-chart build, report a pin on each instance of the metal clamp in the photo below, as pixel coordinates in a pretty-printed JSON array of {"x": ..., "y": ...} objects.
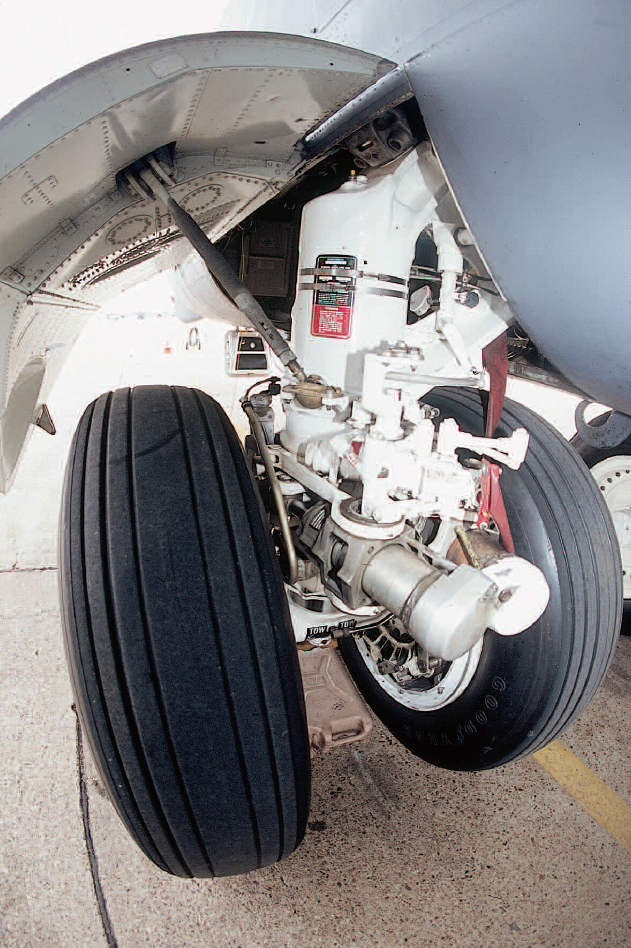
[{"x": 614, "y": 430}]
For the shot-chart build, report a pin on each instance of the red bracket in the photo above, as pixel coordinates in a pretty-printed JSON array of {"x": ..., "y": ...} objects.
[
  {"x": 492, "y": 504},
  {"x": 495, "y": 360}
]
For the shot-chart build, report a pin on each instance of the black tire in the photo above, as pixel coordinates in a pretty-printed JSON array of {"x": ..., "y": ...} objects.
[
  {"x": 178, "y": 635},
  {"x": 525, "y": 689},
  {"x": 614, "y": 482}
]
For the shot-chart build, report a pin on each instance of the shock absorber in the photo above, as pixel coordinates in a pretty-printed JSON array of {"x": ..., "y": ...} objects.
[{"x": 356, "y": 249}]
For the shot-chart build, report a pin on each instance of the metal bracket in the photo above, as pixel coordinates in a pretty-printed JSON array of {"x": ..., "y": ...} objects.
[
  {"x": 615, "y": 429},
  {"x": 43, "y": 419},
  {"x": 336, "y": 713},
  {"x": 492, "y": 504}
]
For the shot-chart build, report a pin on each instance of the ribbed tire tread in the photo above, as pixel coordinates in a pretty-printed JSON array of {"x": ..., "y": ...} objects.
[{"x": 178, "y": 635}]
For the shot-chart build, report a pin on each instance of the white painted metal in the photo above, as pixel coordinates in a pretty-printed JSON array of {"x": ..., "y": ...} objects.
[
  {"x": 522, "y": 594},
  {"x": 388, "y": 441},
  {"x": 613, "y": 476},
  {"x": 404, "y": 473},
  {"x": 304, "y": 427},
  {"x": 374, "y": 221},
  {"x": 370, "y": 226},
  {"x": 197, "y": 295},
  {"x": 446, "y": 613},
  {"x": 66, "y": 230},
  {"x": 451, "y": 611}
]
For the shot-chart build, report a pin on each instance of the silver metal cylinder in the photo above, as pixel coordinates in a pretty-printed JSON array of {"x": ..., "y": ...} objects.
[
  {"x": 393, "y": 574},
  {"x": 446, "y": 613}
]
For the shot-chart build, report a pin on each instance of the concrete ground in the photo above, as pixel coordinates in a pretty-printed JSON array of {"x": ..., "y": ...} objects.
[{"x": 397, "y": 853}]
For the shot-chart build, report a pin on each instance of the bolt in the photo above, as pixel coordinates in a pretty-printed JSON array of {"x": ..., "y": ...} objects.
[{"x": 505, "y": 595}]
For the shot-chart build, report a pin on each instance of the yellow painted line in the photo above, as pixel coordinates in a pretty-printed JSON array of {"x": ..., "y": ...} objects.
[{"x": 600, "y": 801}]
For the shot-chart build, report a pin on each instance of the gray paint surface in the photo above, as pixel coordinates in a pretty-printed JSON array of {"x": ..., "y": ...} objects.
[{"x": 529, "y": 112}]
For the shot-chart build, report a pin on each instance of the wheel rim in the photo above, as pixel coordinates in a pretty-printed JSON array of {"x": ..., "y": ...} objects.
[
  {"x": 450, "y": 686},
  {"x": 613, "y": 476}
]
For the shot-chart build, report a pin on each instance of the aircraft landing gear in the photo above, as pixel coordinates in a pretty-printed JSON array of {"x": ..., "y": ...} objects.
[{"x": 511, "y": 695}]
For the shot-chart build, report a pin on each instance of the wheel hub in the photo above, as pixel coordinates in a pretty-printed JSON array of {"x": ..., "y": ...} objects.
[{"x": 613, "y": 476}]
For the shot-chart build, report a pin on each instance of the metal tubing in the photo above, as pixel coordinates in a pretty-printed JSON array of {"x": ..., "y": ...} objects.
[
  {"x": 221, "y": 270},
  {"x": 266, "y": 457},
  {"x": 613, "y": 431}
]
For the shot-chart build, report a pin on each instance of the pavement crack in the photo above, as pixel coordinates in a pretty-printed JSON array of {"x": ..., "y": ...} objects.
[
  {"x": 367, "y": 780},
  {"x": 84, "y": 801}
]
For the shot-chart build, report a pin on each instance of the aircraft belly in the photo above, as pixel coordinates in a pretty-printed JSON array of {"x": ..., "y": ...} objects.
[{"x": 527, "y": 114}]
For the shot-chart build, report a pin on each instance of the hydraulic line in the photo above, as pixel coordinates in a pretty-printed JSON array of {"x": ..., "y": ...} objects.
[
  {"x": 266, "y": 457},
  {"x": 220, "y": 269}
]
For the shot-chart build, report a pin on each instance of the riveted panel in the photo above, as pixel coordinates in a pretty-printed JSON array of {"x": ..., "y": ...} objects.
[
  {"x": 263, "y": 112},
  {"x": 11, "y": 299},
  {"x": 234, "y": 106}
]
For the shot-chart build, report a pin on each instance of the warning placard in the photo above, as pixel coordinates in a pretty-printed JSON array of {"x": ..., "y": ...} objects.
[
  {"x": 334, "y": 296},
  {"x": 331, "y": 321}
]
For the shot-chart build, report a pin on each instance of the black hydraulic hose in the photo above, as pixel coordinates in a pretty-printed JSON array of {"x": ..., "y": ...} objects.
[{"x": 221, "y": 270}]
